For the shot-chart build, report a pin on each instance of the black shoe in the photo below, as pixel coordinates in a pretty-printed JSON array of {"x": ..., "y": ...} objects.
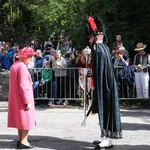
[
  {"x": 18, "y": 144},
  {"x": 104, "y": 148},
  {"x": 23, "y": 146},
  {"x": 96, "y": 142},
  {"x": 97, "y": 147}
]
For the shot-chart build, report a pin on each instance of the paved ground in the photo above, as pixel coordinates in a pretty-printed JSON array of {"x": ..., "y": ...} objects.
[{"x": 60, "y": 129}]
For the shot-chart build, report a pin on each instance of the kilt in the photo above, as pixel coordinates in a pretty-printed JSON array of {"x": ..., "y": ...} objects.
[{"x": 105, "y": 100}]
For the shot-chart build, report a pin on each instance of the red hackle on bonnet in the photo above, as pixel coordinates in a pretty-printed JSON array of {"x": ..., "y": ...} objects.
[{"x": 92, "y": 24}]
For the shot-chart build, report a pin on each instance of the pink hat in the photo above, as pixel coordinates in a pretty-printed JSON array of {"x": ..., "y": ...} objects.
[{"x": 26, "y": 52}]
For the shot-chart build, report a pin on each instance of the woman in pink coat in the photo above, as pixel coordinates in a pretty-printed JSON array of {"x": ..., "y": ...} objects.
[{"x": 21, "y": 110}]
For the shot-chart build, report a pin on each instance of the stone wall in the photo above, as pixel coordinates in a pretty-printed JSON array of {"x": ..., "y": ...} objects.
[{"x": 4, "y": 85}]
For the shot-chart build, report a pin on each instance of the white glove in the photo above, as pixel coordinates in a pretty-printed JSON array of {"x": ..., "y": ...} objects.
[{"x": 29, "y": 105}]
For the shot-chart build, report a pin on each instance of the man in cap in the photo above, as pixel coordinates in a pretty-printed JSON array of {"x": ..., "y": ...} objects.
[
  {"x": 105, "y": 100},
  {"x": 141, "y": 63}
]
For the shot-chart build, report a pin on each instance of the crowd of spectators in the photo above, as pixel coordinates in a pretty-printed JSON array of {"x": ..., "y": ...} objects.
[
  {"x": 51, "y": 80},
  {"x": 131, "y": 72}
]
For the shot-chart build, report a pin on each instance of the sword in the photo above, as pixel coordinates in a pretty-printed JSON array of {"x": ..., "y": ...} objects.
[{"x": 89, "y": 111}]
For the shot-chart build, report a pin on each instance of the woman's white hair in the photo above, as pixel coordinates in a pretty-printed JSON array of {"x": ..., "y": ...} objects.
[{"x": 38, "y": 51}]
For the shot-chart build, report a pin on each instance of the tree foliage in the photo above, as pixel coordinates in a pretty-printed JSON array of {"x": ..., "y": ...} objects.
[{"x": 40, "y": 18}]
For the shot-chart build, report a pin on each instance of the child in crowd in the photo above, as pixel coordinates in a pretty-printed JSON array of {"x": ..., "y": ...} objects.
[{"x": 46, "y": 82}]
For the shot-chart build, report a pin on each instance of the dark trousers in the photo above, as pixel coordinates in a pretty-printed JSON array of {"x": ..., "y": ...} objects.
[
  {"x": 71, "y": 88},
  {"x": 46, "y": 89},
  {"x": 60, "y": 87},
  {"x": 122, "y": 88}
]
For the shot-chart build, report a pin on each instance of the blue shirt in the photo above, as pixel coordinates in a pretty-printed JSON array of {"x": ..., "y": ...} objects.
[
  {"x": 39, "y": 63},
  {"x": 7, "y": 60}
]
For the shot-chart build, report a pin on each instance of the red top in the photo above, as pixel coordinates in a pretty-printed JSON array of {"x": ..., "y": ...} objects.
[{"x": 81, "y": 64}]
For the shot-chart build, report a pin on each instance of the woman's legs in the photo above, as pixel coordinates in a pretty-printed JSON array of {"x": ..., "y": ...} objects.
[
  {"x": 24, "y": 138},
  {"x": 19, "y": 135}
]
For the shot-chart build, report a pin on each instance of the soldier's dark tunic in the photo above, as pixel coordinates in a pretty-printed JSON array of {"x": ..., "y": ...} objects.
[{"x": 105, "y": 101}]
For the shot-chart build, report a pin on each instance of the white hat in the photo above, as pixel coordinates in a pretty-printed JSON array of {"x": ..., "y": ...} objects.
[{"x": 122, "y": 48}]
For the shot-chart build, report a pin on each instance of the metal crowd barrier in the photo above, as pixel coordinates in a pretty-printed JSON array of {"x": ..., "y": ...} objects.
[
  {"x": 125, "y": 77},
  {"x": 67, "y": 84},
  {"x": 64, "y": 84}
]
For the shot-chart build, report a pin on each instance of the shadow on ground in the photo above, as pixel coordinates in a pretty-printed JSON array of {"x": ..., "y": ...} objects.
[
  {"x": 46, "y": 142},
  {"x": 136, "y": 113},
  {"x": 135, "y": 126}
]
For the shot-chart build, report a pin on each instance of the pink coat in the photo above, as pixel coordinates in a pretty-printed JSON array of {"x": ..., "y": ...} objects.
[{"x": 20, "y": 94}]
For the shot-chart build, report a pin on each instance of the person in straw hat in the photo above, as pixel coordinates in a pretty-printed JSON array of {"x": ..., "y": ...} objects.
[
  {"x": 21, "y": 110},
  {"x": 141, "y": 61}
]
